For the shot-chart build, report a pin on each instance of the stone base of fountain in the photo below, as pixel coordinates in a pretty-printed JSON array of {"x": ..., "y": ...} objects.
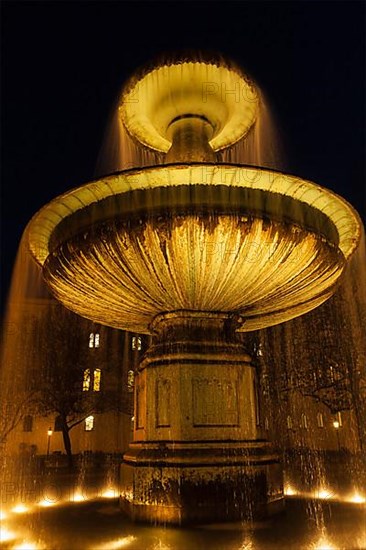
[
  {"x": 197, "y": 454},
  {"x": 200, "y": 482}
]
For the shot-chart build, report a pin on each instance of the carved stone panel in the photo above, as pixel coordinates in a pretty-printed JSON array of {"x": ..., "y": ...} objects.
[
  {"x": 140, "y": 406},
  {"x": 162, "y": 403},
  {"x": 215, "y": 402}
]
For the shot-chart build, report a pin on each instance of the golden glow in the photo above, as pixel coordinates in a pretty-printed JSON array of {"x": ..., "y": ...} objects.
[
  {"x": 6, "y": 534},
  {"x": 324, "y": 494},
  {"x": 289, "y": 491},
  {"x": 336, "y": 424},
  {"x": 20, "y": 509},
  {"x": 3, "y": 515},
  {"x": 49, "y": 432},
  {"x": 115, "y": 544},
  {"x": 323, "y": 544},
  {"x": 247, "y": 545},
  {"x": 46, "y": 503},
  {"x": 78, "y": 497},
  {"x": 110, "y": 493},
  {"x": 160, "y": 545},
  {"x": 357, "y": 498},
  {"x": 25, "y": 546},
  {"x": 220, "y": 95}
]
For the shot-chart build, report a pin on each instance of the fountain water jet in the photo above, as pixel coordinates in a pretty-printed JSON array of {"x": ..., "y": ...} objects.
[{"x": 193, "y": 252}]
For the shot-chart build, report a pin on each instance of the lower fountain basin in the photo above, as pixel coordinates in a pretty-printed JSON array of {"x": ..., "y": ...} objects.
[
  {"x": 194, "y": 237},
  {"x": 123, "y": 274}
]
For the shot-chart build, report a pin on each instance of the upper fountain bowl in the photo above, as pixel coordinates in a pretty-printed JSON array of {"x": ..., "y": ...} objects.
[{"x": 214, "y": 92}]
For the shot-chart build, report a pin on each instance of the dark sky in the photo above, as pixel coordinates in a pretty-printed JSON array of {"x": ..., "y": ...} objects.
[{"x": 63, "y": 63}]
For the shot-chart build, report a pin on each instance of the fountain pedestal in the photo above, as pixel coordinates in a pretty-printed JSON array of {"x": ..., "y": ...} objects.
[{"x": 197, "y": 454}]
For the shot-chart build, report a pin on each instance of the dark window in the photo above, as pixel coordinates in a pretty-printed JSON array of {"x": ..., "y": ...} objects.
[
  {"x": 27, "y": 423},
  {"x": 58, "y": 424}
]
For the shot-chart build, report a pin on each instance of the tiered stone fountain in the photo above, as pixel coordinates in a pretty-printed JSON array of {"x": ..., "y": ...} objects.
[{"x": 192, "y": 252}]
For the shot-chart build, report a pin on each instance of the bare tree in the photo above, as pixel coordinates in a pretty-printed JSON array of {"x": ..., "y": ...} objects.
[{"x": 68, "y": 370}]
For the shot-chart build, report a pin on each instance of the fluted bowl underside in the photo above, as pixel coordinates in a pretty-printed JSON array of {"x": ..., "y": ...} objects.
[
  {"x": 123, "y": 274},
  {"x": 202, "y": 237}
]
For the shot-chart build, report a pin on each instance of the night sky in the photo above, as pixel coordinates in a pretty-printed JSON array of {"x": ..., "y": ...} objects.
[{"x": 63, "y": 64}]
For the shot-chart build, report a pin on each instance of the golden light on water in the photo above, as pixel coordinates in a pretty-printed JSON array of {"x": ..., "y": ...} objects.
[
  {"x": 160, "y": 545},
  {"x": 289, "y": 491},
  {"x": 324, "y": 494},
  {"x": 323, "y": 544},
  {"x": 3, "y": 515},
  {"x": 6, "y": 535},
  {"x": 26, "y": 546},
  {"x": 78, "y": 497},
  {"x": 247, "y": 545},
  {"x": 20, "y": 509},
  {"x": 115, "y": 544},
  {"x": 46, "y": 503},
  {"x": 110, "y": 493},
  {"x": 357, "y": 498}
]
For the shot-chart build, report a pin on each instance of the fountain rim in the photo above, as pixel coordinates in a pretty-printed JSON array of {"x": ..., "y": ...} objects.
[{"x": 44, "y": 222}]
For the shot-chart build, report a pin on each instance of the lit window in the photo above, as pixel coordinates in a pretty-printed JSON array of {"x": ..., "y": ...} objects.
[
  {"x": 257, "y": 349},
  {"x": 96, "y": 381},
  {"x": 89, "y": 423},
  {"x": 130, "y": 381},
  {"x": 94, "y": 340},
  {"x": 137, "y": 343},
  {"x": 304, "y": 421},
  {"x": 28, "y": 423},
  {"x": 86, "y": 380},
  {"x": 320, "y": 420},
  {"x": 331, "y": 373},
  {"x": 339, "y": 418},
  {"x": 289, "y": 423}
]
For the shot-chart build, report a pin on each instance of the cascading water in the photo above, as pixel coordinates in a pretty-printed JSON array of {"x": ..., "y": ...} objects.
[{"x": 138, "y": 239}]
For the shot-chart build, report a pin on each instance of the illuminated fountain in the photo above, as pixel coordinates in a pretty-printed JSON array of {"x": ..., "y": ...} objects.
[{"x": 192, "y": 252}]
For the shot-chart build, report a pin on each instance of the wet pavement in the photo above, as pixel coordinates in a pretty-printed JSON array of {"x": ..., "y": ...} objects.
[{"x": 99, "y": 524}]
